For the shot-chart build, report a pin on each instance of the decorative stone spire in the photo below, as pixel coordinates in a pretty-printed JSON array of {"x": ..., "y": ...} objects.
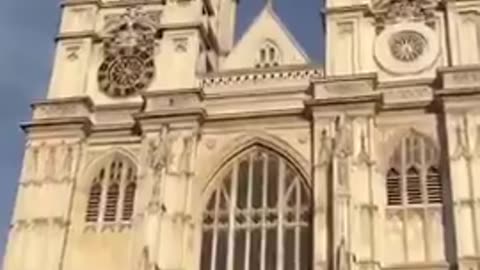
[{"x": 269, "y": 4}]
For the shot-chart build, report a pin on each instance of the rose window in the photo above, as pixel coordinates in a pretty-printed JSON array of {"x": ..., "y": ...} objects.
[{"x": 407, "y": 46}]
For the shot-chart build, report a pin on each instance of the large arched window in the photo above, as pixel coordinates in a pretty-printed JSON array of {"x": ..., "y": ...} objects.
[
  {"x": 413, "y": 219},
  {"x": 413, "y": 178},
  {"x": 112, "y": 192},
  {"x": 258, "y": 217}
]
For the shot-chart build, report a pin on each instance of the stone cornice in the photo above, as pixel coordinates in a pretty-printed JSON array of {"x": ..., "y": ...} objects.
[
  {"x": 118, "y": 106},
  {"x": 256, "y": 114},
  {"x": 101, "y": 4},
  {"x": 167, "y": 92},
  {"x": 242, "y": 77},
  {"x": 62, "y": 107},
  {"x": 375, "y": 97},
  {"x": 346, "y": 9},
  {"x": 61, "y": 125},
  {"x": 419, "y": 265},
  {"x": 148, "y": 121},
  {"x": 78, "y": 35},
  {"x": 247, "y": 71},
  {"x": 467, "y": 76}
]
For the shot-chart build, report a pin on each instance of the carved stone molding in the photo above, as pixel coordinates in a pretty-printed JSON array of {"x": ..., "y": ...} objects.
[
  {"x": 343, "y": 137},
  {"x": 160, "y": 152},
  {"x": 173, "y": 100},
  {"x": 464, "y": 77},
  {"x": 185, "y": 158},
  {"x": 341, "y": 87},
  {"x": 55, "y": 166},
  {"x": 405, "y": 96},
  {"x": 362, "y": 158},
  {"x": 129, "y": 43},
  {"x": 67, "y": 107},
  {"x": 324, "y": 156},
  {"x": 210, "y": 143},
  {"x": 36, "y": 222},
  {"x": 397, "y": 11},
  {"x": 462, "y": 150},
  {"x": 260, "y": 76},
  {"x": 114, "y": 227}
]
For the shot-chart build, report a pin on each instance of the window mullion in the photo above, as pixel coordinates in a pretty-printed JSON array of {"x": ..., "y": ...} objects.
[
  {"x": 231, "y": 220},
  {"x": 215, "y": 229},
  {"x": 280, "y": 208},
  {"x": 423, "y": 177},
  {"x": 264, "y": 213},
  {"x": 298, "y": 222},
  {"x": 122, "y": 182},
  {"x": 249, "y": 213},
  {"x": 105, "y": 182},
  {"x": 403, "y": 174}
]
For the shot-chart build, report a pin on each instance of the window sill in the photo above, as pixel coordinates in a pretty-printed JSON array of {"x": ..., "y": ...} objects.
[{"x": 106, "y": 227}]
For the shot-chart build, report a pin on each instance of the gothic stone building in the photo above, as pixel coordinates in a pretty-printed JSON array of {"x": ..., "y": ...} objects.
[{"x": 162, "y": 145}]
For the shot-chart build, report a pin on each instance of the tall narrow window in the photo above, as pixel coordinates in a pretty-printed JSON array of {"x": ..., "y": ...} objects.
[
  {"x": 394, "y": 188},
  {"x": 258, "y": 217},
  {"x": 105, "y": 203},
  {"x": 268, "y": 56},
  {"x": 129, "y": 196},
  {"x": 413, "y": 178},
  {"x": 93, "y": 206}
]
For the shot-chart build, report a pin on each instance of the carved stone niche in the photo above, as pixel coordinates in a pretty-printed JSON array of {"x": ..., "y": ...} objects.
[
  {"x": 173, "y": 100},
  {"x": 344, "y": 87},
  {"x": 461, "y": 77},
  {"x": 407, "y": 96},
  {"x": 61, "y": 108}
]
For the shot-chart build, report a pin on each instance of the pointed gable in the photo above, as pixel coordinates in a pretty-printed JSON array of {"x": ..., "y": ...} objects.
[{"x": 266, "y": 43}]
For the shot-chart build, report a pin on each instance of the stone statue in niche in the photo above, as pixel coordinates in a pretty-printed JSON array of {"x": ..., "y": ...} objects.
[
  {"x": 325, "y": 151},
  {"x": 31, "y": 162},
  {"x": 363, "y": 158},
  {"x": 343, "y": 148},
  {"x": 343, "y": 137},
  {"x": 159, "y": 159},
  {"x": 50, "y": 163},
  {"x": 67, "y": 161},
  {"x": 184, "y": 163},
  {"x": 160, "y": 151}
]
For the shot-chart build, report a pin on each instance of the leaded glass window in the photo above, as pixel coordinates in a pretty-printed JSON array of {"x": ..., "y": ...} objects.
[
  {"x": 413, "y": 177},
  {"x": 258, "y": 217},
  {"x": 112, "y": 192}
]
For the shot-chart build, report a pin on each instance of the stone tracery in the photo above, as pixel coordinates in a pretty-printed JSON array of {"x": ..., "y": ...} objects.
[{"x": 128, "y": 65}]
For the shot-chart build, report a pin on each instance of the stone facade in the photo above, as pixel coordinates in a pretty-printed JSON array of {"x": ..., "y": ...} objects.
[{"x": 156, "y": 126}]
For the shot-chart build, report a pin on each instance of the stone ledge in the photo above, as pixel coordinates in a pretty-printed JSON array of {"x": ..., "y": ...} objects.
[
  {"x": 59, "y": 126},
  {"x": 62, "y": 107},
  {"x": 460, "y": 76}
]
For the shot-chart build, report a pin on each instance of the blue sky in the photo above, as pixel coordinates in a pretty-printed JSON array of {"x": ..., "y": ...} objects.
[{"x": 27, "y": 31}]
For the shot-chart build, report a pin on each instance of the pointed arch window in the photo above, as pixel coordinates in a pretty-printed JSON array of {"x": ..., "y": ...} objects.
[
  {"x": 258, "y": 217},
  {"x": 268, "y": 55},
  {"x": 413, "y": 177},
  {"x": 112, "y": 192}
]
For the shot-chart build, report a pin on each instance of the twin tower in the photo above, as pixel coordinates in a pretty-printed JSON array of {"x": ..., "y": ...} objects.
[{"x": 162, "y": 145}]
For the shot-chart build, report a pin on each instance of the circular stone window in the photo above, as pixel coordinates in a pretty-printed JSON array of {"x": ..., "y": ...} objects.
[
  {"x": 406, "y": 48},
  {"x": 126, "y": 73}
]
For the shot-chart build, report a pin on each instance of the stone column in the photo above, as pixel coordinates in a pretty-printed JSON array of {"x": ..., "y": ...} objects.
[
  {"x": 464, "y": 187},
  {"x": 323, "y": 149}
]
